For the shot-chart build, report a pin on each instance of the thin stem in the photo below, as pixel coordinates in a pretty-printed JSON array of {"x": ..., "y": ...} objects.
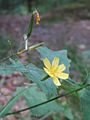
[
  {"x": 59, "y": 96},
  {"x": 22, "y": 51},
  {"x": 30, "y": 48}
]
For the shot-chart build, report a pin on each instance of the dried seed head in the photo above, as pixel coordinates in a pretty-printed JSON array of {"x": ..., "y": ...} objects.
[{"x": 37, "y": 17}]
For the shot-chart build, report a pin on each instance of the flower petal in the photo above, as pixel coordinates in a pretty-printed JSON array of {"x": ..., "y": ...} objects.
[
  {"x": 47, "y": 71},
  {"x": 56, "y": 81},
  {"x": 47, "y": 63},
  {"x": 61, "y": 68},
  {"x": 63, "y": 75},
  {"x": 55, "y": 62}
]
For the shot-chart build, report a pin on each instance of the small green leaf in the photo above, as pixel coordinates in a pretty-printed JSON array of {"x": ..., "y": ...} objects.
[{"x": 30, "y": 26}]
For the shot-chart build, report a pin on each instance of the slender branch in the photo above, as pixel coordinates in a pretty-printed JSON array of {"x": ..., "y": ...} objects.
[
  {"x": 30, "y": 48},
  {"x": 22, "y": 51},
  {"x": 59, "y": 96}
]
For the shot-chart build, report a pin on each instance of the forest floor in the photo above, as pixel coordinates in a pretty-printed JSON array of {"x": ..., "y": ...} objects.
[{"x": 54, "y": 34}]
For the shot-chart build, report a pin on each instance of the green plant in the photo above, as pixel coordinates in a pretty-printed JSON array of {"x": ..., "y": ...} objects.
[{"x": 42, "y": 96}]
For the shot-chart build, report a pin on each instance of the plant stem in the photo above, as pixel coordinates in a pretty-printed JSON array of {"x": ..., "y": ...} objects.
[
  {"x": 30, "y": 48},
  {"x": 22, "y": 51},
  {"x": 59, "y": 96}
]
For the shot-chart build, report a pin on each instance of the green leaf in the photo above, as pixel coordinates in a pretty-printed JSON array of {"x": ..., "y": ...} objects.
[
  {"x": 34, "y": 96},
  {"x": 84, "y": 96},
  {"x": 56, "y": 116},
  {"x": 50, "y": 54},
  {"x": 1, "y": 108},
  {"x": 35, "y": 74},
  {"x": 30, "y": 26},
  {"x": 62, "y": 54},
  {"x": 69, "y": 84},
  {"x": 67, "y": 111},
  {"x": 17, "y": 65},
  {"x": 14, "y": 66},
  {"x": 11, "y": 102},
  {"x": 6, "y": 69}
]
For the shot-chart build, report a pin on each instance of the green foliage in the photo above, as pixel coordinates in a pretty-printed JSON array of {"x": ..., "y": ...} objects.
[
  {"x": 35, "y": 96},
  {"x": 25, "y": 6},
  {"x": 41, "y": 97},
  {"x": 50, "y": 54},
  {"x": 67, "y": 111},
  {"x": 10, "y": 6},
  {"x": 35, "y": 74},
  {"x": 30, "y": 26},
  {"x": 14, "y": 66},
  {"x": 44, "y": 90},
  {"x": 4, "y": 110},
  {"x": 85, "y": 101}
]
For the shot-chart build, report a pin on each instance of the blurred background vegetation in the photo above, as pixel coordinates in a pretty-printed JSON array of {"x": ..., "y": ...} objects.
[{"x": 26, "y": 6}]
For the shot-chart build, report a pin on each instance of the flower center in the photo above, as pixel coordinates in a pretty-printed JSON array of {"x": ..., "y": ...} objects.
[{"x": 52, "y": 71}]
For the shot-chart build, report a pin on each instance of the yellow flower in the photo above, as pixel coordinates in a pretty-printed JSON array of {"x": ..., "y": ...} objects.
[{"x": 55, "y": 70}]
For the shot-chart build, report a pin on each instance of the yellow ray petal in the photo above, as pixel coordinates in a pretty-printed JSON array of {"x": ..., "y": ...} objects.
[
  {"x": 55, "y": 62},
  {"x": 47, "y": 71},
  {"x": 63, "y": 75},
  {"x": 61, "y": 68},
  {"x": 56, "y": 81},
  {"x": 47, "y": 63}
]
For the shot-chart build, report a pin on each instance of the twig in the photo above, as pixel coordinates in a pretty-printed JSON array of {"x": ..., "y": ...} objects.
[{"x": 22, "y": 51}]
